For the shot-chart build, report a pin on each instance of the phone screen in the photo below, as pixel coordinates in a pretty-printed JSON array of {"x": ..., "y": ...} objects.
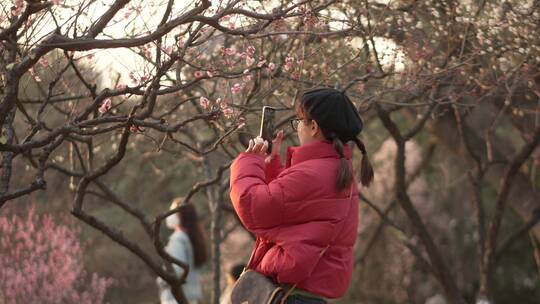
[{"x": 267, "y": 125}]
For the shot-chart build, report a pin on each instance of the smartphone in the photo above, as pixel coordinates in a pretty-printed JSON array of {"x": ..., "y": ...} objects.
[{"x": 267, "y": 125}]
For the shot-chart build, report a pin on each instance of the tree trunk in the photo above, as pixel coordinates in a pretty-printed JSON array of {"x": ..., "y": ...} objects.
[
  {"x": 215, "y": 230},
  {"x": 10, "y": 90},
  {"x": 7, "y": 157},
  {"x": 522, "y": 198}
]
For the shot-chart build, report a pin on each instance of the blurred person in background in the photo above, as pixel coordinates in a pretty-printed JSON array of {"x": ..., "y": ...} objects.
[{"x": 188, "y": 243}]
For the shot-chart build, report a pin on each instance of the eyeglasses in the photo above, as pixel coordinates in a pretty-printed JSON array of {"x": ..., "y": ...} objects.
[{"x": 295, "y": 122}]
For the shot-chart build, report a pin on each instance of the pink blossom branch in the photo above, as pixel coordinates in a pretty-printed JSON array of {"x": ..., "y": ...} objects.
[
  {"x": 31, "y": 8},
  {"x": 102, "y": 22},
  {"x": 85, "y": 44},
  {"x": 209, "y": 150},
  {"x": 78, "y": 211},
  {"x": 39, "y": 182}
]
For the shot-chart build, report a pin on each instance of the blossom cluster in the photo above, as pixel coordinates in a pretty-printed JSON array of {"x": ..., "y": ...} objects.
[{"x": 41, "y": 262}]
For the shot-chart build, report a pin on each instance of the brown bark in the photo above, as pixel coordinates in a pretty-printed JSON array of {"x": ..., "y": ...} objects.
[
  {"x": 523, "y": 197},
  {"x": 442, "y": 272}
]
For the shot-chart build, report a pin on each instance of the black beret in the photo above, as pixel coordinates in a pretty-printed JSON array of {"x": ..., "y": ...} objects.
[{"x": 334, "y": 113}]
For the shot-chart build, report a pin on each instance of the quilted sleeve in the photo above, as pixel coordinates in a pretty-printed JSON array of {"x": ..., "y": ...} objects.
[
  {"x": 260, "y": 205},
  {"x": 273, "y": 168}
]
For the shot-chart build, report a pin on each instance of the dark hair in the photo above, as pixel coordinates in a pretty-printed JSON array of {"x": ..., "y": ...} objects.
[
  {"x": 189, "y": 221},
  {"x": 344, "y": 175},
  {"x": 366, "y": 170},
  {"x": 237, "y": 270}
]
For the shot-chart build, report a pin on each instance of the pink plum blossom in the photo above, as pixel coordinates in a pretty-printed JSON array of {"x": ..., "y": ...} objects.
[
  {"x": 222, "y": 103},
  {"x": 136, "y": 129},
  {"x": 41, "y": 262},
  {"x": 204, "y": 102},
  {"x": 289, "y": 63},
  {"x": 230, "y": 51},
  {"x": 18, "y": 8},
  {"x": 247, "y": 76},
  {"x": 105, "y": 106},
  {"x": 236, "y": 88},
  {"x": 228, "y": 112},
  {"x": 250, "y": 50},
  {"x": 34, "y": 74}
]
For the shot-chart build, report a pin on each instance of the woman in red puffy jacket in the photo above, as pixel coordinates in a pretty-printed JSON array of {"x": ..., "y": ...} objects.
[{"x": 305, "y": 215}]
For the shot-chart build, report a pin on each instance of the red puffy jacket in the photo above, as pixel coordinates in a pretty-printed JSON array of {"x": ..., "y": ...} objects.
[{"x": 295, "y": 213}]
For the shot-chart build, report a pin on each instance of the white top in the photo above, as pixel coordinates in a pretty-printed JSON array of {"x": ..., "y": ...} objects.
[
  {"x": 226, "y": 295},
  {"x": 179, "y": 246}
]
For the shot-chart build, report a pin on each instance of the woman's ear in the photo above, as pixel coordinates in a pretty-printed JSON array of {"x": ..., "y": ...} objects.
[{"x": 314, "y": 129}]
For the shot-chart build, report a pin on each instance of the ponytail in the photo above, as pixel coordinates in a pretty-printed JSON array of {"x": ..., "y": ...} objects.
[
  {"x": 325, "y": 106},
  {"x": 344, "y": 174},
  {"x": 366, "y": 171}
]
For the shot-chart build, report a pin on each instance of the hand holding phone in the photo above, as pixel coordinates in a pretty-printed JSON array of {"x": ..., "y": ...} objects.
[
  {"x": 267, "y": 128},
  {"x": 257, "y": 146}
]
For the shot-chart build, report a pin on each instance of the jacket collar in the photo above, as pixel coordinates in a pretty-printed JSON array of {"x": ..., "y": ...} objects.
[{"x": 318, "y": 149}]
